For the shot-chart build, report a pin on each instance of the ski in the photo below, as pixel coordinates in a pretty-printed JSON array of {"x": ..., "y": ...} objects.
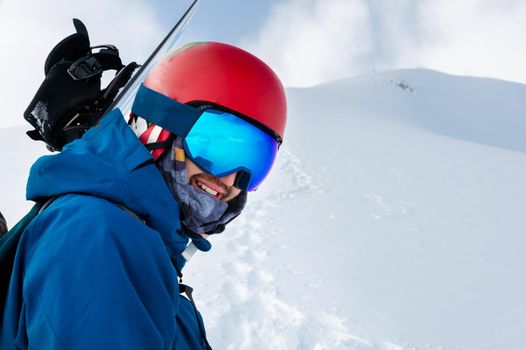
[{"x": 125, "y": 98}]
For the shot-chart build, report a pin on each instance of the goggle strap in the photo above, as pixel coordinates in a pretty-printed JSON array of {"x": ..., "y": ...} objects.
[
  {"x": 242, "y": 180},
  {"x": 156, "y": 145},
  {"x": 161, "y": 110}
]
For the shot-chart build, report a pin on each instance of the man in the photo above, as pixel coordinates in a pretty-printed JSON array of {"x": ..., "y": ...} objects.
[
  {"x": 98, "y": 268},
  {"x": 3, "y": 225}
]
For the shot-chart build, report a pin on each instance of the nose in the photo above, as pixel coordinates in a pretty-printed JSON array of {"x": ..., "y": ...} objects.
[{"x": 229, "y": 179}]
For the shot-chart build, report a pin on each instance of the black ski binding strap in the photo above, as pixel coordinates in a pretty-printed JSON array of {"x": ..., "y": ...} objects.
[
  {"x": 84, "y": 68},
  {"x": 71, "y": 100}
]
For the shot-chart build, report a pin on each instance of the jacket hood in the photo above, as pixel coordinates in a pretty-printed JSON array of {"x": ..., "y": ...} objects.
[{"x": 107, "y": 163}]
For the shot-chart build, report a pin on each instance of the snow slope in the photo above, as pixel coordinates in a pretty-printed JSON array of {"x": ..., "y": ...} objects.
[{"x": 392, "y": 221}]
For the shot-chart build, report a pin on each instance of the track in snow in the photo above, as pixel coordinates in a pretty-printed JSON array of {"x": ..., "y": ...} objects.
[{"x": 253, "y": 311}]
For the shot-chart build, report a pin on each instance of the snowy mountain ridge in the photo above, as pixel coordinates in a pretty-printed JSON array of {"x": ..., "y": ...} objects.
[
  {"x": 393, "y": 220},
  {"x": 483, "y": 110}
]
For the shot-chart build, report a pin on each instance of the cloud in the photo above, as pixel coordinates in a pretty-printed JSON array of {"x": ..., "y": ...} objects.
[
  {"x": 308, "y": 41},
  {"x": 311, "y": 41},
  {"x": 478, "y": 38},
  {"x": 30, "y": 29}
]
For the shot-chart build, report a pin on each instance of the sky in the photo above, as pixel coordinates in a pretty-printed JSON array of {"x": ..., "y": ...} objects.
[{"x": 307, "y": 42}]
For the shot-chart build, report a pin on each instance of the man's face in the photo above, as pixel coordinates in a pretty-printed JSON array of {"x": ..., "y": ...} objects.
[{"x": 221, "y": 188}]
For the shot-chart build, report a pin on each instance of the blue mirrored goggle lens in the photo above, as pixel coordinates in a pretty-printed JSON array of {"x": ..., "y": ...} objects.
[{"x": 221, "y": 144}]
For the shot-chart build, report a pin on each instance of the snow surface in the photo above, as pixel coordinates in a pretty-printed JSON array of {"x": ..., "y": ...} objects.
[{"x": 394, "y": 220}]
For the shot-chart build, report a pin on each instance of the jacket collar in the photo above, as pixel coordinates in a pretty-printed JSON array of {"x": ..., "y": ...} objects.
[{"x": 107, "y": 162}]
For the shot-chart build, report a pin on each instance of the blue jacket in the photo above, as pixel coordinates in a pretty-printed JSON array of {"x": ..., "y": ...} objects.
[{"x": 87, "y": 274}]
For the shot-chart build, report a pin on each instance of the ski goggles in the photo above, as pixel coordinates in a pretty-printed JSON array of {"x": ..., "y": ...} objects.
[
  {"x": 222, "y": 143},
  {"x": 218, "y": 142}
]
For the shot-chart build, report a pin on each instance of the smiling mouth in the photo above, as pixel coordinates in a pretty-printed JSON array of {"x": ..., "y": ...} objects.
[
  {"x": 208, "y": 187},
  {"x": 209, "y": 190}
]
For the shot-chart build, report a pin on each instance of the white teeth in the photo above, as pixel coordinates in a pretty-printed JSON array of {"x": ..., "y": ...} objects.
[{"x": 207, "y": 189}]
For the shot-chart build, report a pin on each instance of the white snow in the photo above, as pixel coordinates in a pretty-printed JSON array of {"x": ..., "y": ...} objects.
[{"x": 393, "y": 220}]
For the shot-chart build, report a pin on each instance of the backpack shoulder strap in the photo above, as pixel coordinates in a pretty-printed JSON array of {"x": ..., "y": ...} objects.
[
  {"x": 8, "y": 244},
  {"x": 129, "y": 211},
  {"x": 47, "y": 204}
]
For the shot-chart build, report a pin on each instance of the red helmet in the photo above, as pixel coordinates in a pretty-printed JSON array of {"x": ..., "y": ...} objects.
[{"x": 212, "y": 73}]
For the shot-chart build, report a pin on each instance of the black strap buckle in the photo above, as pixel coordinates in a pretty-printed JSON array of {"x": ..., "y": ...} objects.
[{"x": 85, "y": 67}]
